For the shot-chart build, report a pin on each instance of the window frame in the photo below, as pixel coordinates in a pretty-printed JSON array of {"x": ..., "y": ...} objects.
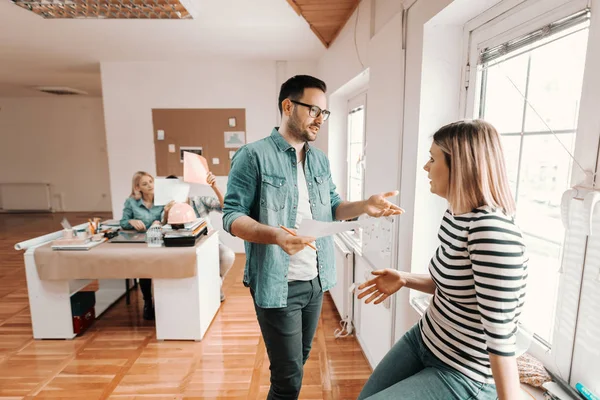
[{"x": 509, "y": 20}]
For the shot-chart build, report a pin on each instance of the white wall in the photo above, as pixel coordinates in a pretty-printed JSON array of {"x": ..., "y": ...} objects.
[
  {"x": 385, "y": 10},
  {"x": 337, "y": 129},
  {"x": 383, "y": 57},
  {"x": 341, "y": 62},
  {"x": 132, "y": 90},
  {"x": 342, "y": 70},
  {"x": 434, "y": 69},
  {"x": 60, "y": 141}
]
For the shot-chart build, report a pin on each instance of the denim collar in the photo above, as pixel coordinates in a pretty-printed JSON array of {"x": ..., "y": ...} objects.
[{"x": 282, "y": 144}]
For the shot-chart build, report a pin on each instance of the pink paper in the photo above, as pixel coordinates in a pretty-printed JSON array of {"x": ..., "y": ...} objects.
[{"x": 195, "y": 168}]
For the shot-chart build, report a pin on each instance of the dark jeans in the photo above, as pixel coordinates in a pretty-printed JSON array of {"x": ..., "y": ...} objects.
[
  {"x": 288, "y": 333},
  {"x": 146, "y": 287}
]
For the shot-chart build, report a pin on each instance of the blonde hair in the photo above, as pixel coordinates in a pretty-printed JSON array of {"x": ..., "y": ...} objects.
[
  {"x": 135, "y": 182},
  {"x": 474, "y": 155}
]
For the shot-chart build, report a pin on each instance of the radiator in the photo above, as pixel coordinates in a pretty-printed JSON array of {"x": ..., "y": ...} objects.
[
  {"x": 25, "y": 197},
  {"x": 341, "y": 293}
]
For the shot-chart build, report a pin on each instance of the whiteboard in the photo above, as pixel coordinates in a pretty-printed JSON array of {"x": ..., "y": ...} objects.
[{"x": 377, "y": 240}]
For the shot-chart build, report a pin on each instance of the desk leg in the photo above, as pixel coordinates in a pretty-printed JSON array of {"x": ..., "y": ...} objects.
[
  {"x": 50, "y": 304},
  {"x": 185, "y": 307},
  {"x": 109, "y": 291}
]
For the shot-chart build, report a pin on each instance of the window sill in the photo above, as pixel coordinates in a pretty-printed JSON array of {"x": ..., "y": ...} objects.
[{"x": 420, "y": 302}]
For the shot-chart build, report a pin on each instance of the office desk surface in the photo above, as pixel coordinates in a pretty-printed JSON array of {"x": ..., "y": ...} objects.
[{"x": 117, "y": 260}]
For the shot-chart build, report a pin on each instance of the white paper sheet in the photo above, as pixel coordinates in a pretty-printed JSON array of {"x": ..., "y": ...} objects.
[
  {"x": 317, "y": 229},
  {"x": 166, "y": 190}
]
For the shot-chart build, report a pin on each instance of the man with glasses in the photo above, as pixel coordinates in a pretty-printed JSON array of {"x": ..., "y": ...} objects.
[{"x": 277, "y": 182}]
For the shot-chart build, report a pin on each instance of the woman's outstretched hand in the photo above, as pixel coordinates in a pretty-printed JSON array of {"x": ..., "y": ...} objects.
[{"x": 386, "y": 283}]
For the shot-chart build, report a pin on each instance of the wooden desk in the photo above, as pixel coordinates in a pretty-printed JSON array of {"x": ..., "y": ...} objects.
[{"x": 186, "y": 284}]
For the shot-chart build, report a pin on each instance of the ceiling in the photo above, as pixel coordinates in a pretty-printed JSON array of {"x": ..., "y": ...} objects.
[
  {"x": 66, "y": 52},
  {"x": 140, "y": 9},
  {"x": 326, "y": 18}
]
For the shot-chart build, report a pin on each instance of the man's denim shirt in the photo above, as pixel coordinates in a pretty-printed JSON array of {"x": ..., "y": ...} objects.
[{"x": 263, "y": 185}]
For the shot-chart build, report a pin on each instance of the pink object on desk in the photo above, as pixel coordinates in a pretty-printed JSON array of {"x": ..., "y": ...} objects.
[
  {"x": 181, "y": 213},
  {"x": 195, "y": 168}
]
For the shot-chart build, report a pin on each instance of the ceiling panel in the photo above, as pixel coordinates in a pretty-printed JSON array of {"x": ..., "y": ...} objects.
[
  {"x": 106, "y": 9},
  {"x": 326, "y": 18}
]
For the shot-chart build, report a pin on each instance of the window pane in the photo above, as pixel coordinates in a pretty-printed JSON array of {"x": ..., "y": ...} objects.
[
  {"x": 545, "y": 171},
  {"x": 511, "y": 146},
  {"x": 354, "y": 169},
  {"x": 357, "y": 127},
  {"x": 356, "y": 134},
  {"x": 503, "y": 104},
  {"x": 555, "y": 81},
  {"x": 551, "y": 77}
]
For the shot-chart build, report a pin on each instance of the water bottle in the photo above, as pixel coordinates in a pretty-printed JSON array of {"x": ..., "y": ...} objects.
[{"x": 154, "y": 236}]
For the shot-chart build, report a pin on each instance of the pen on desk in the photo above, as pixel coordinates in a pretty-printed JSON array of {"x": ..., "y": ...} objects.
[
  {"x": 312, "y": 246},
  {"x": 91, "y": 225}
]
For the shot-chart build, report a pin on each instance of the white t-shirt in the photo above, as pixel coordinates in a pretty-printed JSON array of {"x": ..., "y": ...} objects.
[{"x": 303, "y": 265}]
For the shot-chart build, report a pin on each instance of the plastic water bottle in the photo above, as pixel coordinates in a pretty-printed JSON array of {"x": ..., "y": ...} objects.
[{"x": 154, "y": 236}]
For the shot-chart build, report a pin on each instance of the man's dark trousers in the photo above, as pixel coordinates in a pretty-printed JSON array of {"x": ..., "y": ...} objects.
[{"x": 288, "y": 333}]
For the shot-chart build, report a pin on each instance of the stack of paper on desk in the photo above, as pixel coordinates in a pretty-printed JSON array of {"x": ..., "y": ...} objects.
[{"x": 189, "y": 229}]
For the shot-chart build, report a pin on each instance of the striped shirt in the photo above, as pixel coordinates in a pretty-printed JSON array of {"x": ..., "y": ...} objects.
[{"x": 480, "y": 273}]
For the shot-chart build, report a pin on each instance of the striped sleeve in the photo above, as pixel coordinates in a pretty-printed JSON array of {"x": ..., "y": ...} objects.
[{"x": 499, "y": 263}]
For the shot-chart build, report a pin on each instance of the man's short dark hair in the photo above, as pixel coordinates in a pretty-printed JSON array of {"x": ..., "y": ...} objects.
[
  {"x": 293, "y": 88},
  {"x": 171, "y": 177}
]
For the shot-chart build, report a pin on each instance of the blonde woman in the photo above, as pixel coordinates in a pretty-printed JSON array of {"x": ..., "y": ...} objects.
[
  {"x": 464, "y": 345},
  {"x": 140, "y": 213}
]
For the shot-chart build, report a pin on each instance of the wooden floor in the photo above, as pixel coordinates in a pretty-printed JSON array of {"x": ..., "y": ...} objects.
[{"x": 120, "y": 358}]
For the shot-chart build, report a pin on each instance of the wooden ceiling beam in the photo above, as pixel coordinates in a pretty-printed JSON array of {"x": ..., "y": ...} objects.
[{"x": 325, "y": 16}]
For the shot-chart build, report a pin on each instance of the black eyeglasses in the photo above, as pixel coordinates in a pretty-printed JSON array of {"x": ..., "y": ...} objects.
[{"x": 314, "y": 111}]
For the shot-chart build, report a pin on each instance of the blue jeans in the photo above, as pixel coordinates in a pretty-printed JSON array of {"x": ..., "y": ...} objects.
[{"x": 410, "y": 371}]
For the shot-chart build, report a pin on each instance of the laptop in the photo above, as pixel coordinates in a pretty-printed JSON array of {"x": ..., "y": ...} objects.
[{"x": 129, "y": 237}]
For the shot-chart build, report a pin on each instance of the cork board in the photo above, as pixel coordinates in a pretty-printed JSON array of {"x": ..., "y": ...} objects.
[{"x": 200, "y": 127}]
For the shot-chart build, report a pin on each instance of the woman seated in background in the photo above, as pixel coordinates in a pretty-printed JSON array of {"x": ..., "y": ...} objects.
[
  {"x": 464, "y": 345},
  {"x": 140, "y": 213},
  {"x": 204, "y": 205}
]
